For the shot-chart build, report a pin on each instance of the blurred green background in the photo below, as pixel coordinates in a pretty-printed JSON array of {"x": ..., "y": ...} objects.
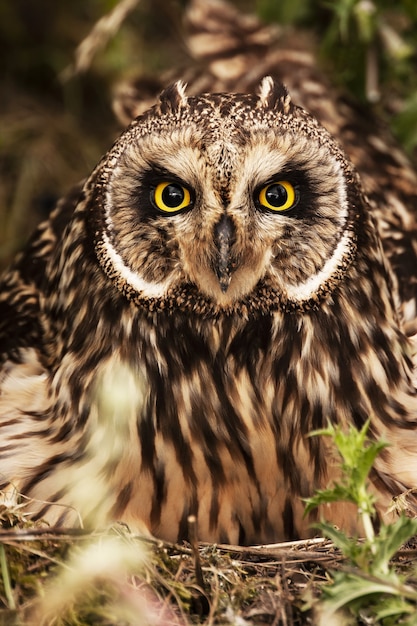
[{"x": 54, "y": 126}]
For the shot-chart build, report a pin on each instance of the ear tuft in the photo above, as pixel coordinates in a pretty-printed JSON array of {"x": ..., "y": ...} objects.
[
  {"x": 274, "y": 95},
  {"x": 173, "y": 97}
]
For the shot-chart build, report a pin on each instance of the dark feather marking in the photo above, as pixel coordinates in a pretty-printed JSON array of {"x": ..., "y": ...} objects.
[
  {"x": 214, "y": 508},
  {"x": 160, "y": 494},
  {"x": 288, "y": 521},
  {"x": 122, "y": 500},
  {"x": 146, "y": 434},
  {"x": 48, "y": 467},
  {"x": 190, "y": 508},
  {"x": 242, "y": 535},
  {"x": 55, "y": 497}
]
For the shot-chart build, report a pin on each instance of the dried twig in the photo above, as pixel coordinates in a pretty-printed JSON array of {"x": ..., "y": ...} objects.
[{"x": 98, "y": 37}]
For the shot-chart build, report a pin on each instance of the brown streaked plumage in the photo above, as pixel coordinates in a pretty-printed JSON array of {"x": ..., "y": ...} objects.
[{"x": 221, "y": 286}]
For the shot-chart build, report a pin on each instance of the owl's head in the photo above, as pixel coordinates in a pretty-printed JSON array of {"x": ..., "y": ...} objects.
[{"x": 223, "y": 203}]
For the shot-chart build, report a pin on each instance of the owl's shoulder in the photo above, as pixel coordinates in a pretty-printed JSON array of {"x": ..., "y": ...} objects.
[{"x": 22, "y": 322}]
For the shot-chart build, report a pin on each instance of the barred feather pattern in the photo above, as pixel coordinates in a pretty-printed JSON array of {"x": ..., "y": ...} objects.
[{"x": 135, "y": 387}]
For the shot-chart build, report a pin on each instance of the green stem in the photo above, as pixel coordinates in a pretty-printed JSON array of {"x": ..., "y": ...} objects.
[
  {"x": 6, "y": 579},
  {"x": 368, "y": 527},
  {"x": 364, "y": 508}
]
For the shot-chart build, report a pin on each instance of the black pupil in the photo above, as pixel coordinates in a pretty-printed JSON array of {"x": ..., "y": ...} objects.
[
  {"x": 173, "y": 196},
  {"x": 276, "y": 195}
]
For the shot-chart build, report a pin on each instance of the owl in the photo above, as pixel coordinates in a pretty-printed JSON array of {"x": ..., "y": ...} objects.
[{"x": 234, "y": 274}]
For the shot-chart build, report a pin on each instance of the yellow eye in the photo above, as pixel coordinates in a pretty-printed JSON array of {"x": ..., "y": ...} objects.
[
  {"x": 278, "y": 196},
  {"x": 171, "y": 197}
]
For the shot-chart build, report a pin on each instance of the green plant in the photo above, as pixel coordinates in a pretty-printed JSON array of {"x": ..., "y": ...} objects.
[{"x": 368, "y": 587}]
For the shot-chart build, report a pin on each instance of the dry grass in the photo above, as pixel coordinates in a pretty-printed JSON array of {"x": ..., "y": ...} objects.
[
  {"x": 112, "y": 577},
  {"x": 74, "y": 578}
]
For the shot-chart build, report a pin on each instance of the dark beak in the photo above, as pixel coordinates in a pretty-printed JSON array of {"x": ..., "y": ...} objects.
[{"x": 224, "y": 237}]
